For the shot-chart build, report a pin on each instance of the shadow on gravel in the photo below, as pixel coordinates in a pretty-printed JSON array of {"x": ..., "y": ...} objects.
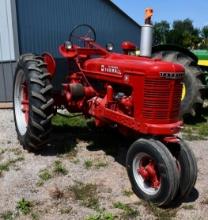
[
  {"x": 193, "y": 196},
  {"x": 64, "y": 140}
]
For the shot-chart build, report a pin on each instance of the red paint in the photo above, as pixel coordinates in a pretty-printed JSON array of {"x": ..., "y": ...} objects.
[
  {"x": 130, "y": 91},
  {"x": 128, "y": 46},
  {"x": 171, "y": 139},
  {"x": 149, "y": 173},
  {"x": 51, "y": 63},
  {"x": 25, "y": 101}
]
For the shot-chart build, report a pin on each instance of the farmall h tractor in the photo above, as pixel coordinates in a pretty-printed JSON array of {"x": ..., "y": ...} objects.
[{"x": 139, "y": 95}]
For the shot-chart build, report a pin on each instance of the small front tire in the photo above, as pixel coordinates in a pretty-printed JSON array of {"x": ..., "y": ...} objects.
[
  {"x": 188, "y": 168},
  {"x": 152, "y": 172}
]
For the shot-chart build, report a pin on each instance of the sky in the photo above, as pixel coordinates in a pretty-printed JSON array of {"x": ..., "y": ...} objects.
[{"x": 170, "y": 10}]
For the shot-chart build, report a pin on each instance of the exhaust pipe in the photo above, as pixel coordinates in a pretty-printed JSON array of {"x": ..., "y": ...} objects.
[{"x": 147, "y": 35}]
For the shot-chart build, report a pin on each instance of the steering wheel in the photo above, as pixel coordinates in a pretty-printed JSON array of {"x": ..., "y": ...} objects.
[{"x": 81, "y": 34}]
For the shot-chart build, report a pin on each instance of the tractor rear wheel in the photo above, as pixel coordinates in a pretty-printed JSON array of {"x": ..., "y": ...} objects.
[
  {"x": 191, "y": 100},
  {"x": 33, "y": 102},
  {"x": 152, "y": 172}
]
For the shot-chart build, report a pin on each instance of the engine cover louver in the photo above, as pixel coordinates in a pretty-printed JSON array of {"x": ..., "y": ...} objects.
[{"x": 162, "y": 99}]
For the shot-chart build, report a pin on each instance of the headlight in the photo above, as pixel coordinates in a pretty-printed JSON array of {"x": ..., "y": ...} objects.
[
  {"x": 68, "y": 45},
  {"x": 109, "y": 46}
]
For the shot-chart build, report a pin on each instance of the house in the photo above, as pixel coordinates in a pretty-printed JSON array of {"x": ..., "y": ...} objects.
[{"x": 35, "y": 26}]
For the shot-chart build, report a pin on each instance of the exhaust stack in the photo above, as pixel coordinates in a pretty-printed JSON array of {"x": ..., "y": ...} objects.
[{"x": 147, "y": 34}]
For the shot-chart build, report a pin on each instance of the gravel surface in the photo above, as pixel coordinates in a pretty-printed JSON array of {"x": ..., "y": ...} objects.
[{"x": 77, "y": 177}]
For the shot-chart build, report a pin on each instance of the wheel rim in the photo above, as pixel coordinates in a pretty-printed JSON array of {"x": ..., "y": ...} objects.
[
  {"x": 146, "y": 174},
  {"x": 183, "y": 92},
  {"x": 21, "y": 102}
]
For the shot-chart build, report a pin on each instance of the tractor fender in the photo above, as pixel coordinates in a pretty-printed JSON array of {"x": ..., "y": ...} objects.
[
  {"x": 51, "y": 63},
  {"x": 171, "y": 47}
]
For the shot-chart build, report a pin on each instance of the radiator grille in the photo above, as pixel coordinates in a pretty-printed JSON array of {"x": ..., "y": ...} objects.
[{"x": 162, "y": 99}]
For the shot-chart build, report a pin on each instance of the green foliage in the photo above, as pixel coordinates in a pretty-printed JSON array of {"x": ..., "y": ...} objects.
[
  {"x": 98, "y": 164},
  {"x": 198, "y": 131},
  {"x": 188, "y": 207},
  {"x": 102, "y": 216},
  {"x": 7, "y": 215},
  {"x": 128, "y": 212},
  {"x": 24, "y": 206},
  {"x": 160, "y": 213},
  {"x": 128, "y": 193},
  {"x": 6, "y": 165},
  {"x": 204, "y": 32},
  {"x": 161, "y": 30},
  {"x": 59, "y": 168},
  {"x": 71, "y": 121},
  {"x": 88, "y": 164},
  {"x": 182, "y": 33},
  {"x": 87, "y": 194},
  {"x": 44, "y": 176}
]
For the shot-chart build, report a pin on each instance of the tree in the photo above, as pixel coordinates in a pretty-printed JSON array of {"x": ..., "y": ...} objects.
[
  {"x": 184, "y": 34},
  {"x": 204, "y": 40},
  {"x": 161, "y": 30},
  {"x": 204, "y": 32}
]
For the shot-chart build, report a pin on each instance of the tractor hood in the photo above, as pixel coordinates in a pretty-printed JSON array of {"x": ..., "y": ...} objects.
[{"x": 118, "y": 64}]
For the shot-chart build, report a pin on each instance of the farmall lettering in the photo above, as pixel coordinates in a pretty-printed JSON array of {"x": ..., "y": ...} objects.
[{"x": 110, "y": 69}]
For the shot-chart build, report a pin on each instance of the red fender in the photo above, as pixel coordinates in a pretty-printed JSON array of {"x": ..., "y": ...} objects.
[{"x": 51, "y": 63}]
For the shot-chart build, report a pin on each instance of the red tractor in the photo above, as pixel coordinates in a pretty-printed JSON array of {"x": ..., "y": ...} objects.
[{"x": 139, "y": 95}]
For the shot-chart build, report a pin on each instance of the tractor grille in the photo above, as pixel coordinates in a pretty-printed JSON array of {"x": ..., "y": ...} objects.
[{"x": 162, "y": 99}]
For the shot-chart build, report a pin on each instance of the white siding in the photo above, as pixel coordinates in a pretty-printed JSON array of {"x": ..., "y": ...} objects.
[{"x": 7, "y": 51}]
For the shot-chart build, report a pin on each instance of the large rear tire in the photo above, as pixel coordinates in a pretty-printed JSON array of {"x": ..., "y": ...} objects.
[
  {"x": 33, "y": 102},
  {"x": 152, "y": 172},
  {"x": 192, "y": 100}
]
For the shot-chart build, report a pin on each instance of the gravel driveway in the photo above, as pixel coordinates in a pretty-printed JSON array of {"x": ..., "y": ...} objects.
[{"x": 80, "y": 177}]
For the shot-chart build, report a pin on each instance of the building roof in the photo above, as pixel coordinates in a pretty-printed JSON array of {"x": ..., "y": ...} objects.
[{"x": 122, "y": 12}]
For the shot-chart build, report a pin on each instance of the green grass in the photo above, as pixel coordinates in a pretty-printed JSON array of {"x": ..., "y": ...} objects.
[
  {"x": 62, "y": 121},
  {"x": 196, "y": 131},
  {"x": 6, "y": 165},
  {"x": 24, "y": 206},
  {"x": 59, "y": 168},
  {"x": 35, "y": 216},
  {"x": 86, "y": 194},
  {"x": 66, "y": 210},
  {"x": 128, "y": 212},
  {"x": 44, "y": 176},
  {"x": 159, "y": 213},
  {"x": 128, "y": 193},
  {"x": 88, "y": 164},
  {"x": 98, "y": 164},
  {"x": 2, "y": 151},
  {"x": 101, "y": 216},
  {"x": 8, "y": 215},
  {"x": 188, "y": 207}
]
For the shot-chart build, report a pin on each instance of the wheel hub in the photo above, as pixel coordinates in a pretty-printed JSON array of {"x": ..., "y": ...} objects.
[
  {"x": 149, "y": 174},
  {"x": 146, "y": 174}
]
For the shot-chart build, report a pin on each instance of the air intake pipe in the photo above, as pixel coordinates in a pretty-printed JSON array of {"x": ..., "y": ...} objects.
[{"x": 147, "y": 35}]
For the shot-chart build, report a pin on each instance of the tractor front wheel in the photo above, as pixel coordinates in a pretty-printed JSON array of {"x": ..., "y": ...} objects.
[
  {"x": 152, "y": 171},
  {"x": 187, "y": 165},
  {"x": 33, "y": 102}
]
